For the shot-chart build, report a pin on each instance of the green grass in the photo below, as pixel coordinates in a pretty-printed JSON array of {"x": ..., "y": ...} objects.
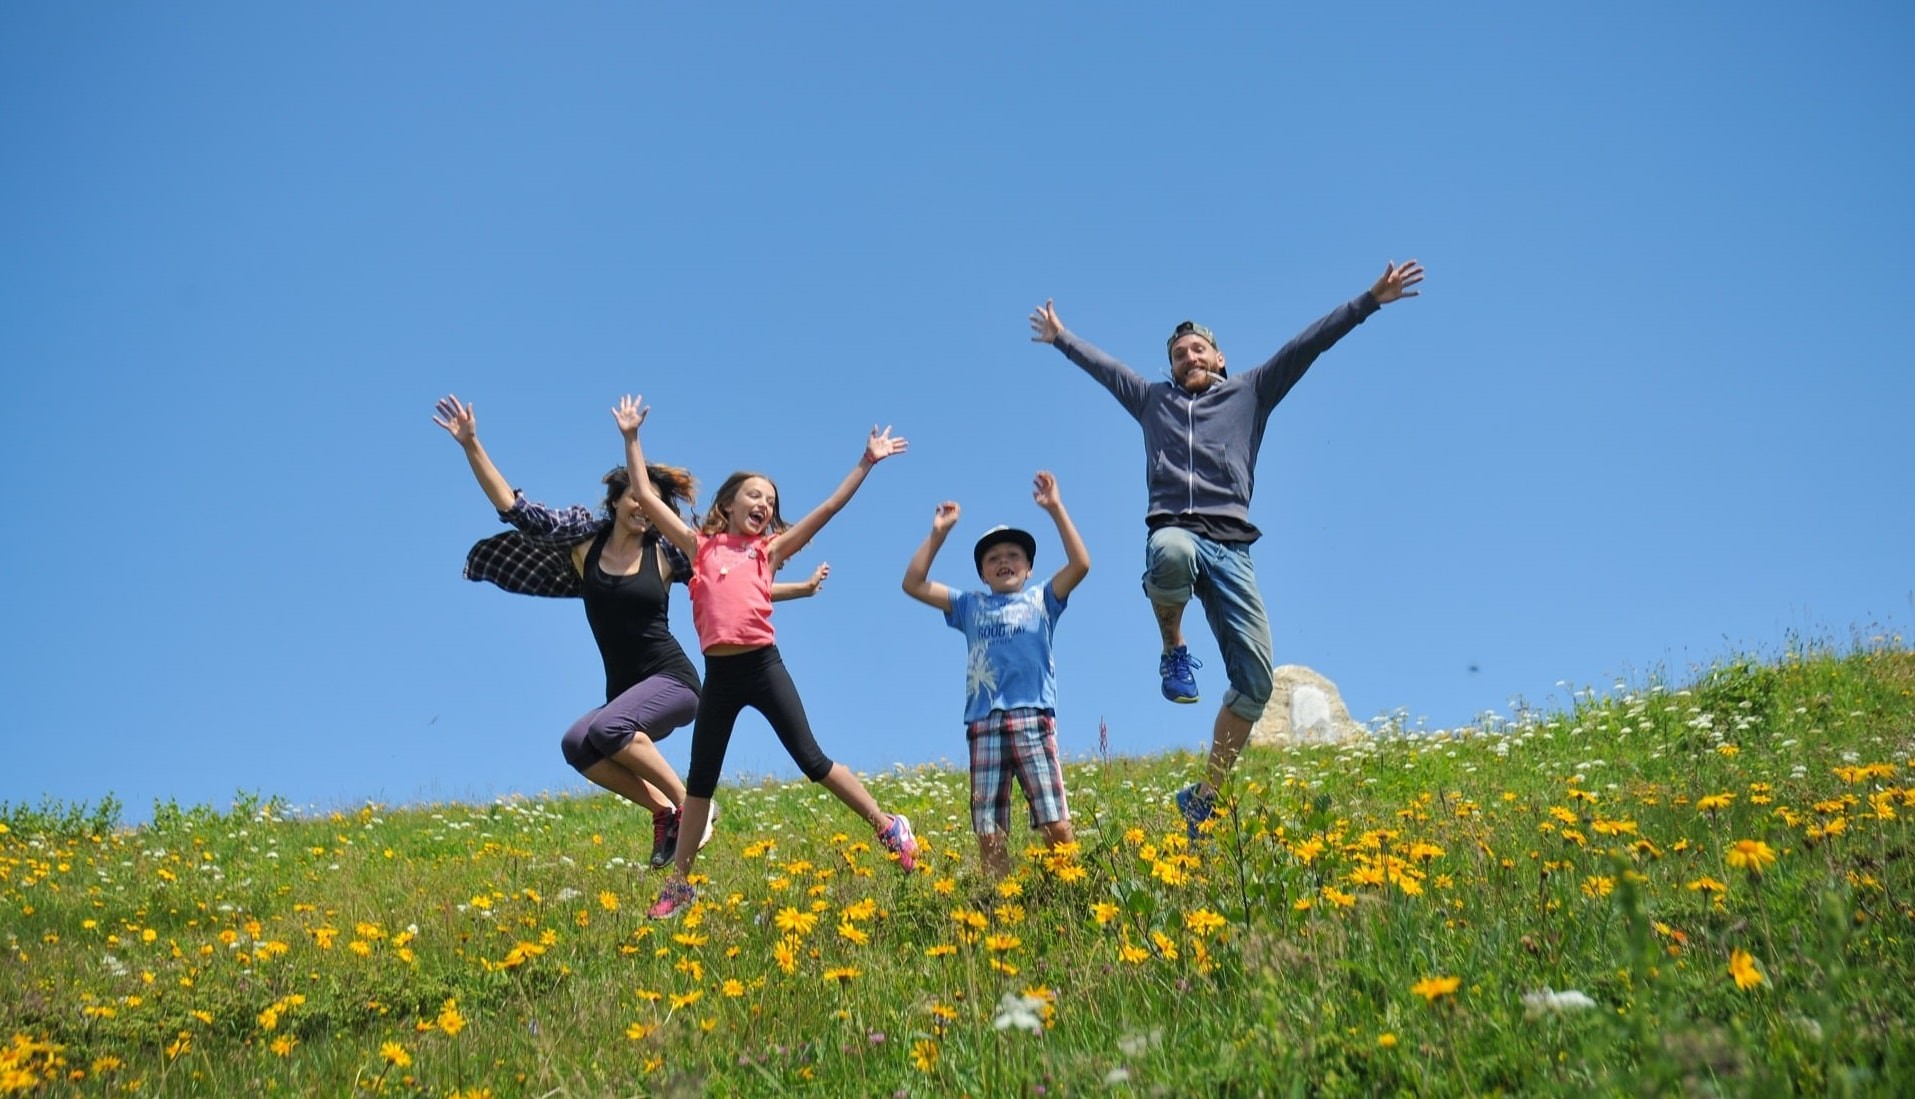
[{"x": 1367, "y": 919}]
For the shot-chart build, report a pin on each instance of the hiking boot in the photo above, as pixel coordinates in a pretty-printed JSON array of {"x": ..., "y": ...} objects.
[
  {"x": 1195, "y": 809},
  {"x": 1175, "y": 666},
  {"x": 676, "y": 897},
  {"x": 664, "y": 838},
  {"x": 898, "y": 837}
]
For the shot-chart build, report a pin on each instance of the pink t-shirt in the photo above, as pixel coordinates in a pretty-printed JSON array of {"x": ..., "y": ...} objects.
[{"x": 731, "y": 590}]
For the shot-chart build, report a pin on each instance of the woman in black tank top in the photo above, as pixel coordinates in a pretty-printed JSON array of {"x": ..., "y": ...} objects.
[{"x": 623, "y": 571}]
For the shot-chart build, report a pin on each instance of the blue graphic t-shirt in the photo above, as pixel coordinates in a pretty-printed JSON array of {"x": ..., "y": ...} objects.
[{"x": 1010, "y": 664}]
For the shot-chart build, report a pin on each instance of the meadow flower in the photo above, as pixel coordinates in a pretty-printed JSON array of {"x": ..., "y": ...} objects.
[
  {"x": 924, "y": 1055},
  {"x": 395, "y": 1055},
  {"x": 282, "y": 1046},
  {"x": 1433, "y": 988},
  {"x": 1104, "y": 912},
  {"x": 1022, "y": 1012},
  {"x": 793, "y": 922},
  {"x": 1203, "y": 921},
  {"x": 1742, "y": 968},
  {"x": 785, "y": 953},
  {"x": 1547, "y": 1000},
  {"x": 450, "y": 1021},
  {"x": 1752, "y": 855},
  {"x": 843, "y": 974}
]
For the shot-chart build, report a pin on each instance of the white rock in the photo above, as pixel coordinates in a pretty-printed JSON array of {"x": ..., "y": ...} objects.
[{"x": 1304, "y": 708}]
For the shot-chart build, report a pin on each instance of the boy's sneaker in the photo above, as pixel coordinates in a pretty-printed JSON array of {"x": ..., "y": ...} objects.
[
  {"x": 898, "y": 837},
  {"x": 664, "y": 838},
  {"x": 676, "y": 897},
  {"x": 1195, "y": 809},
  {"x": 1175, "y": 667}
]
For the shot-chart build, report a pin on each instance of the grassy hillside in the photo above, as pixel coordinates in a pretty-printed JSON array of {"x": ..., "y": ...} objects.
[{"x": 1703, "y": 890}]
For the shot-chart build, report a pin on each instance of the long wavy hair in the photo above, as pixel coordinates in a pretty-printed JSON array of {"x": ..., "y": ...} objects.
[
  {"x": 715, "y": 520},
  {"x": 674, "y": 485}
]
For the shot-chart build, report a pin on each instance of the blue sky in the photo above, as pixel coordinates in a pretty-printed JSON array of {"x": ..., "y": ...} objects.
[{"x": 1650, "y": 411}]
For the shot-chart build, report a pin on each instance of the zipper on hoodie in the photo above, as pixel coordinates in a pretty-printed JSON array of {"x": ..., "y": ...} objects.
[{"x": 1190, "y": 452}]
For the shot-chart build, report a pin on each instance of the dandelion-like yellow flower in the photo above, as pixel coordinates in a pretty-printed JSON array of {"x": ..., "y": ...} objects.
[
  {"x": 1742, "y": 968},
  {"x": 1104, "y": 912},
  {"x": 395, "y": 1055},
  {"x": 843, "y": 974},
  {"x": 1338, "y": 897},
  {"x": 1001, "y": 942},
  {"x": 1433, "y": 988},
  {"x": 638, "y": 1032},
  {"x": 1714, "y": 803},
  {"x": 924, "y": 1055},
  {"x": 450, "y": 1021},
  {"x": 793, "y": 922},
  {"x": 1751, "y": 855},
  {"x": 941, "y": 950},
  {"x": 1203, "y": 921}
]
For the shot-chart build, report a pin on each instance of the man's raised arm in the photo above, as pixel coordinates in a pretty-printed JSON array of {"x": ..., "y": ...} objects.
[{"x": 1125, "y": 384}]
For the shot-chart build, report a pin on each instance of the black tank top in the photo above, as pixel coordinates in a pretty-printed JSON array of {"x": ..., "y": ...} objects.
[{"x": 627, "y": 614}]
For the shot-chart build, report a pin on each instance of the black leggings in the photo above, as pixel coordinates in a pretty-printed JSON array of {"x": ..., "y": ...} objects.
[{"x": 757, "y": 679}]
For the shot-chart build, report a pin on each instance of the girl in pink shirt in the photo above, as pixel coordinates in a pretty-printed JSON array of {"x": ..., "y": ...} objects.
[{"x": 743, "y": 542}]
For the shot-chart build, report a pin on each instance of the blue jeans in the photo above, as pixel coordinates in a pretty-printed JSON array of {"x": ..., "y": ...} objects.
[{"x": 1179, "y": 564}]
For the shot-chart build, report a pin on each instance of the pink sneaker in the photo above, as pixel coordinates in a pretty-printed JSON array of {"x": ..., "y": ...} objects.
[
  {"x": 676, "y": 897},
  {"x": 898, "y": 837}
]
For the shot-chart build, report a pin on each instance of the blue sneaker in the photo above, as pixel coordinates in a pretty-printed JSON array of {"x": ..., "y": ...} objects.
[
  {"x": 1195, "y": 809},
  {"x": 1175, "y": 666}
]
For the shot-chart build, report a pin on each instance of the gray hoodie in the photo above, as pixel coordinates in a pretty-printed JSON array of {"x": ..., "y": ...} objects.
[{"x": 1200, "y": 449}]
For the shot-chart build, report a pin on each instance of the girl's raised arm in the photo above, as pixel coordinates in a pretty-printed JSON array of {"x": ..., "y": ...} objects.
[
  {"x": 877, "y": 447},
  {"x": 460, "y": 422},
  {"x": 630, "y": 413}
]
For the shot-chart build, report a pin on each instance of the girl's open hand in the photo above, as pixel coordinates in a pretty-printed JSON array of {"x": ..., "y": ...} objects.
[
  {"x": 630, "y": 413},
  {"x": 882, "y": 445},
  {"x": 457, "y": 419}
]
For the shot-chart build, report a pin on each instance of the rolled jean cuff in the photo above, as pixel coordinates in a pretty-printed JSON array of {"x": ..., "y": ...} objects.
[
  {"x": 1175, "y": 597},
  {"x": 1243, "y": 705}
]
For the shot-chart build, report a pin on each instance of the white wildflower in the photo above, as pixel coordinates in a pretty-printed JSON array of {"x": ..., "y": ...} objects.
[
  {"x": 1546, "y": 1000},
  {"x": 1022, "y": 1012}
]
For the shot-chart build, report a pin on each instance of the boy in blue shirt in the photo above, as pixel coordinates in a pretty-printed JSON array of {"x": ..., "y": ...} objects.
[{"x": 1011, "y": 681}]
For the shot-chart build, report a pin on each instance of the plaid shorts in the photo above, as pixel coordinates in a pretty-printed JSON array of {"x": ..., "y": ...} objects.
[{"x": 1021, "y": 742}]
